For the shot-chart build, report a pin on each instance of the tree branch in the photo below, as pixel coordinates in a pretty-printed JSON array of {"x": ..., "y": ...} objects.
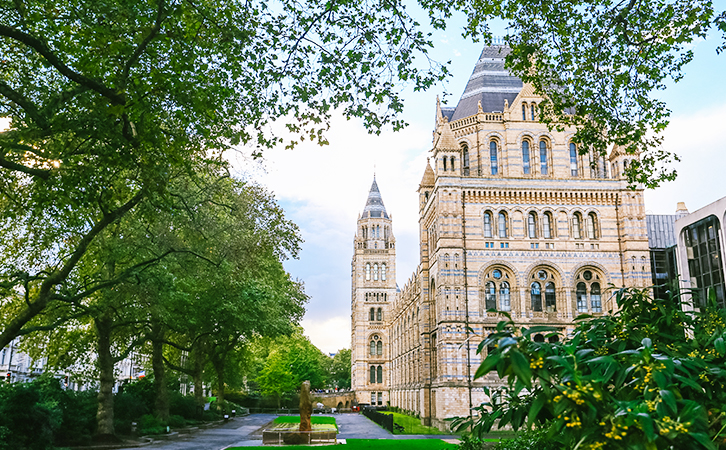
[
  {"x": 12, "y": 165},
  {"x": 25, "y": 103},
  {"x": 145, "y": 43}
]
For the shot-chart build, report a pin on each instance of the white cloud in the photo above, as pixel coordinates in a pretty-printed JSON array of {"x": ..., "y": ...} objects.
[{"x": 329, "y": 335}]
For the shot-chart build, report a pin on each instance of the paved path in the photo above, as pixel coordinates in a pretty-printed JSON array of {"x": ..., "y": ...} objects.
[{"x": 238, "y": 433}]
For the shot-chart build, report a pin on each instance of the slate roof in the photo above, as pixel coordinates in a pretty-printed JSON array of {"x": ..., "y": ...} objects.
[
  {"x": 374, "y": 204},
  {"x": 661, "y": 230},
  {"x": 490, "y": 83}
]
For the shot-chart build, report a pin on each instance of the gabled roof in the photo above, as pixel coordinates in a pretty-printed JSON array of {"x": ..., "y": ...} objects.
[
  {"x": 490, "y": 83},
  {"x": 428, "y": 179},
  {"x": 374, "y": 204}
]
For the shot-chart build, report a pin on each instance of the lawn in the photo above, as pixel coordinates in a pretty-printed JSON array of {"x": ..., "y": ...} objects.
[
  {"x": 412, "y": 425},
  {"x": 313, "y": 419},
  {"x": 377, "y": 444}
]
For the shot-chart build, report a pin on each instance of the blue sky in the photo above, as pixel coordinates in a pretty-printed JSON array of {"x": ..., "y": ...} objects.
[{"x": 324, "y": 189}]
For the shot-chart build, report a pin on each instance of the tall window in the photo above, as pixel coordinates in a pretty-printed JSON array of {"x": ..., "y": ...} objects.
[
  {"x": 373, "y": 379},
  {"x": 591, "y": 226},
  {"x": 573, "y": 160},
  {"x": 532, "y": 225},
  {"x": 465, "y": 158},
  {"x": 705, "y": 261},
  {"x": 577, "y": 226},
  {"x": 525, "y": 157},
  {"x": 379, "y": 314},
  {"x": 373, "y": 396},
  {"x": 493, "y": 155},
  {"x": 588, "y": 285},
  {"x": 503, "y": 229},
  {"x": 542, "y": 156},
  {"x": 524, "y": 111},
  {"x": 368, "y": 271},
  {"x": 581, "y": 295},
  {"x": 379, "y": 348},
  {"x": 550, "y": 298},
  {"x": 453, "y": 166},
  {"x": 547, "y": 225},
  {"x": 372, "y": 315},
  {"x": 532, "y": 116},
  {"x": 487, "y": 224},
  {"x": 595, "y": 302},
  {"x": 383, "y": 272},
  {"x": 380, "y": 374},
  {"x": 536, "y": 295},
  {"x": 445, "y": 159},
  {"x": 373, "y": 348},
  {"x": 490, "y": 292},
  {"x": 375, "y": 272},
  {"x": 505, "y": 303}
]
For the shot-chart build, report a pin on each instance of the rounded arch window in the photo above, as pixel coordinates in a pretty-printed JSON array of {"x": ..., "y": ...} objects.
[
  {"x": 379, "y": 314},
  {"x": 375, "y": 272},
  {"x": 577, "y": 226},
  {"x": 547, "y": 225},
  {"x": 465, "y": 158},
  {"x": 536, "y": 296},
  {"x": 487, "y": 224},
  {"x": 503, "y": 225},
  {"x": 383, "y": 272},
  {"x": 373, "y": 374},
  {"x": 379, "y": 348},
  {"x": 372, "y": 315},
  {"x": 592, "y": 226},
  {"x": 525, "y": 157},
  {"x": 493, "y": 157},
  {"x": 368, "y": 271},
  {"x": 588, "y": 293},
  {"x": 543, "y": 158},
  {"x": 497, "y": 290},
  {"x": 573, "y": 160},
  {"x": 532, "y": 225}
]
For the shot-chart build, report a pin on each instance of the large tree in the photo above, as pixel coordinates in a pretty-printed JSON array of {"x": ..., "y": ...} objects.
[{"x": 109, "y": 101}]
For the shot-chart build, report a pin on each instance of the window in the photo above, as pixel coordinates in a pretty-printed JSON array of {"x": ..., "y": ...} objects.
[
  {"x": 375, "y": 272},
  {"x": 490, "y": 292},
  {"x": 542, "y": 155},
  {"x": 536, "y": 296},
  {"x": 550, "y": 298},
  {"x": 444, "y": 163},
  {"x": 373, "y": 379},
  {"x": 532, "y": 225},
  {"x": 503, "y": 229},
  {"x": 573, "y": 160},
  {"x": 380, "y": 374},
  {"x": 373, "y": 394},
  {"x": 525, "y": 157},
  {"x": 547, "y": 225},
  {"x": 379, "y": 348},
  {"x": 504, "y": 299},
  {"x": 595, "y": 302},
  {"x": 373, "y": 348},
  {"x": 453, "y": 166},
  {"x": 524, "y": 111},
  {"x": 372, "y": 315},
  {"x": 581, "y": 295},
  {"x": 577, "y": 226},
  {"x": 380, "y": 397},
  {"x": 532, "y": 116},
  {"x": 368, "y": 272},
  {"x": 591, "y": 226},
  {"x": 465, "y": 158},
  {"x": 379, "y": 314},
  {"x": 383, "y": 272},
  {"x": 487, "y": 224},
  {"x": 588, "y": 285},
  {"x": 493, "y": 154},
  {"x": 705, "y": 261}
]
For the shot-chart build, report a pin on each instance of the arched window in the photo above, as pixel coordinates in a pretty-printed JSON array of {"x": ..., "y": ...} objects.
[
  {"x": 532, "y": 106},
  {"x": 503, "y": 228},
  {"x": 547, "y": 225},
  {"x": 592, "y": 226},
  {"x": 595, "y": 302},
  {"x": 493, "y": 155},
  {"x": 445, "y": 159},
  {"x": 525, "y": 157},
  {"x": 373, "y": 374},
  {"x": 542, "y": 156},
  {"x": 368, "y": 271},
  {"x": 372, "y": 314},
  {"x": 573, "y": 159},
  {"x": 505, "y": 303},
  {"x": 532, "y": 225},
  {"x": 375, "y": 272},
  {"x": 577, "y": 226},
  {"x": 383, "y": 272},
  {"x": 379, "y": 314},
  {"x": 373, "y": 348},
  {"x": 536, "y": 295},
  {"x": 465, "y": 158},
  {"x": 378, "y": 231},
  {"x": 380, "y": 374},
  {"x": 524, "y": 111},
  {"x": 379, "y": 348},
  {"x": 581, "y": 295},
  {"x": 490, "y": 296},
  {"x": 550, "y": 298},
  {"x": 487, "y": 224},
  {"x": 453, "y": 166}
]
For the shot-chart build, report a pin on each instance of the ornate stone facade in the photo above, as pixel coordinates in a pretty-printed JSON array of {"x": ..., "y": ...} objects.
[{"x": 512, "y": 218}]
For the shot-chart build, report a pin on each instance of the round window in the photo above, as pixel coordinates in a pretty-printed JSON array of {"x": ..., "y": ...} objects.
[
  {"x": 542, "y": 275},
  {"x": 375, "y": 336},
  {"x": 497, "y": 274},
  {"x": 587, "y": 275}
]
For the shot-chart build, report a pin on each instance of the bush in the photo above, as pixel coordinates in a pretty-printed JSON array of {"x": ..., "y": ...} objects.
[
  {"x": 150, "y": 424},
  {"x": 536, "y": 439},
  {"x": 26, "y": 422},
  {"x": 183, "y": 405},
  {"x": 176, "y": 421}
]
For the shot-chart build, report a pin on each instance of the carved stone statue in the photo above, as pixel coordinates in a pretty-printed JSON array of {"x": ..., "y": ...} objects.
[{"x": 306, "y": 407}]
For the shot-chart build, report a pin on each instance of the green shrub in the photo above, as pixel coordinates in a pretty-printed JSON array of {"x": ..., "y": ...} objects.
[
  {"x": 150, "y": 424},
  {"x": 26, "y": 422},
  {"x": 176, "y": 421},
  {"x": 535, "y": 439},
  {"x": 183, "y": 405}
]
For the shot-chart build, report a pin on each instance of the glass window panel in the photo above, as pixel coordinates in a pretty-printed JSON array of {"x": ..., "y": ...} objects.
[
  {"x": 536, "y": 296},
  {"x": 502, "y": 225},
  {"x": 504, "y": 299},
  {"x": 543, "y": 157},
  {"x": 550, "y": 297},
  {"x": 581, "y": 295},
  {"x": 490, "y": 296},
  {"x": 373, "y": 376},
  {"x": 379, "y": 348},
  {"x": 487, "y": 224},
  {"x": 576, "y": 222},
  {"x": 525, "y": 157},
  {"x": 573, "y": 160},
  {"x": 532, "y": 225},
  {"x": 380, "y": 374},
  {"x": 547, "y": 226},
  {"x": 595, "y": 297},
  {"x": 493, "y": 157},
  {"x": 373, "y": 348}
]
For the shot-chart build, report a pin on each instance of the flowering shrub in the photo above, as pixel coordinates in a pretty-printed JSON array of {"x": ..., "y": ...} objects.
[{"x": 650, "y": 376}]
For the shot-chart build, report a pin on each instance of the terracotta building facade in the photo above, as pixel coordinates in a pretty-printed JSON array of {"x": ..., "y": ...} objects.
[{"x": 511, "y": 218}]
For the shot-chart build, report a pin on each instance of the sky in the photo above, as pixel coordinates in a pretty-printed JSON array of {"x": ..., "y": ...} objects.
[{"x": 323, "y": 189}]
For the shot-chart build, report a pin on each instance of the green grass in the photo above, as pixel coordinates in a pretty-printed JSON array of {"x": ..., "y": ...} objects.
[
  {"x": 313, "y": 420},
  {"x": 377, "y": 444},
  {"x": 412, "y": 425}
]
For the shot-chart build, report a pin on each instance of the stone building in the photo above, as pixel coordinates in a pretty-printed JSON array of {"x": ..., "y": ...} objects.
[{"x": 512, "y": 218}]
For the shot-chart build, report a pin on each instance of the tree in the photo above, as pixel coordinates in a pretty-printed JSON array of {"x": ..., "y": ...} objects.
[
  {"x": 109, "y": 101},
  {"x": 340, "y": 369},
  {"x": 649, "y": 376}
]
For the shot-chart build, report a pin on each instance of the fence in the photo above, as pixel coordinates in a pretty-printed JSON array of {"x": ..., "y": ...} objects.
[
  {"x": 384, "y": 420},
  {"x": 295, "y": 437}
]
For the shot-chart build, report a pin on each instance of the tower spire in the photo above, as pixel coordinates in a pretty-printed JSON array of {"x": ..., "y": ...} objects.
[{"x": 374, "y": 204}]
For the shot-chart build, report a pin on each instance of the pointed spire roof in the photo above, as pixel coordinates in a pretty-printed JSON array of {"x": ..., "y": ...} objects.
[
  {"x": 490, "y": 84},
  {"x": 374, "y": 204},
  {"x": 428, "y": 176},
  {"x": 445, "y": 139}
]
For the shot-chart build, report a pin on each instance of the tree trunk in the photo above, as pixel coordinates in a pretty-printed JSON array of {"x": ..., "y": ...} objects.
[
  {"x": 218, "y": 364},
  {"x": 161, "y": 393},
  {"x": 104, "y": 416},
  {"x": 198, "y": 372}
]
